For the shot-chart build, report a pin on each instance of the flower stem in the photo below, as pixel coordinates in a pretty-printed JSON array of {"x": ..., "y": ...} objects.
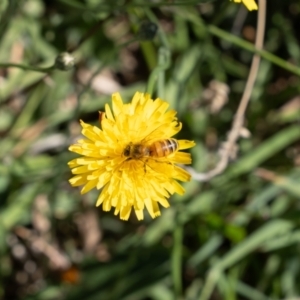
[{"x": 28, "y": 68}]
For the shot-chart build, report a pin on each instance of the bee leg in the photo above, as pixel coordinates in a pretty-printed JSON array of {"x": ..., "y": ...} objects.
[{"x": 146, "y": 165}]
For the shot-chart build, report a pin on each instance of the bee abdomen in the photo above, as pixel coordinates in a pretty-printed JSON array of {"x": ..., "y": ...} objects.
[{"x": 163, "y": 147}]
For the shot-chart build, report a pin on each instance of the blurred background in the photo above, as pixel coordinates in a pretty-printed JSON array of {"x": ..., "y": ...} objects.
[{"x": 234, "y": 237}]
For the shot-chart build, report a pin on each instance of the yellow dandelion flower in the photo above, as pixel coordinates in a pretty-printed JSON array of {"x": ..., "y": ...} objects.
[
  {"x": 132, "y": 157},
  {"x": 250, "y": 4}
]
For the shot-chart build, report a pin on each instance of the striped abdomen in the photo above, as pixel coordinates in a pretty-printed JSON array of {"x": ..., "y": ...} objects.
[{"x": 163, "y": 148}]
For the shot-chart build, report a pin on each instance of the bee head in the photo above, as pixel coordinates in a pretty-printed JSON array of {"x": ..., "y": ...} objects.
[{"x": 126, "y": 151}]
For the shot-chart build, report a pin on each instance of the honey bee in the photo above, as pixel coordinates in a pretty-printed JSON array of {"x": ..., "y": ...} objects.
[{"x": 157, "y": 149}]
